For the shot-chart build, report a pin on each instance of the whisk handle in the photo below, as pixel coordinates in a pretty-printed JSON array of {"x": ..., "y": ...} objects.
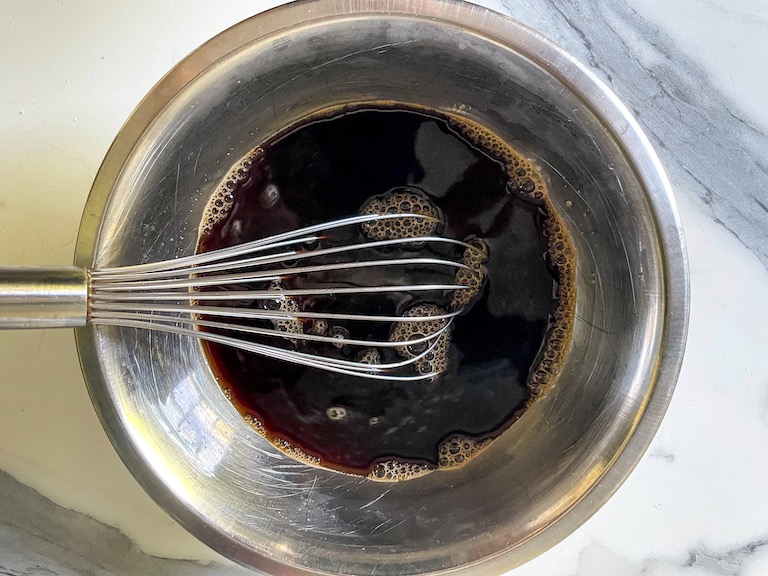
[{"x": 43, "y": 297}]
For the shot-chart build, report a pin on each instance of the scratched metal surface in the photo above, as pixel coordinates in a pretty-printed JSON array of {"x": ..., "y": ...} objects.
[{"x": 187, "y": 446}]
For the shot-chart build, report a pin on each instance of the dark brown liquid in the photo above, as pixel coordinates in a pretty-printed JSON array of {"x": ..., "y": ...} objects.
[{"x": 505, "y": 348}]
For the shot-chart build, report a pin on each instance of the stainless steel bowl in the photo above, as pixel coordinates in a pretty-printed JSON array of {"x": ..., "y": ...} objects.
[{"x": 189, "y": 448}]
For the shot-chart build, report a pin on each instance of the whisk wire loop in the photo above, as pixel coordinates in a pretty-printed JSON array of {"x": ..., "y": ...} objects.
[{"x": 255, "y": 297}]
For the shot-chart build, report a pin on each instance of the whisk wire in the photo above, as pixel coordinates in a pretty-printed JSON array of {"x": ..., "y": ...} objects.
[
  {"x": 254, "y": 246},
  {"x": 350, "y": 368},
  {"x": 194, "y": 296},
  {"x": 101, "y": 311},
  {"x": 263, "y": 275},
  {"x": 113, "y": 318},
  {"x": 126, "y": 274}
]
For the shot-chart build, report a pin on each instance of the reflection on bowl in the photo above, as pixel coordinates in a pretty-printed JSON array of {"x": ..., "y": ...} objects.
[
  {"x": 195, "y": 426},
  {"x": 191, "y": 450}
]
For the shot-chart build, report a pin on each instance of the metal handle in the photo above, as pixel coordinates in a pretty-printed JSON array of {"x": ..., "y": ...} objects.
[{"x": 43, "y": 297}]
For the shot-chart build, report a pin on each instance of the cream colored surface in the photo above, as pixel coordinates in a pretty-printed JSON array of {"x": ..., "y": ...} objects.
[
  {"x": 70, "y": 79},
  {"x": 71, "y": 72}
]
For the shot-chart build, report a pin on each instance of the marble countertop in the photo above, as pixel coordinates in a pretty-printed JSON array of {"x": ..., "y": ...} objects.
[{"x": 693, "y": 72}]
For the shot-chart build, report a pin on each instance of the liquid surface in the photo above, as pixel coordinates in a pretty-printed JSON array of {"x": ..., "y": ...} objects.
[{"x": 502, "y": 352}]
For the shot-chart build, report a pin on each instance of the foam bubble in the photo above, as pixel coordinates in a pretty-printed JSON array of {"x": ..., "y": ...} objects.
[
  {"x": 474, "y": 277},
  {"x": 295, "y": 453},
  {"x": 319, "y": 326},
  {"x": 457, "y": 450},
  {"x": 400, "y": 201},
  {"x": 369, "y": 356},
  {"x": 288, "y": 305},
  {"x": 220, "y": 202},
  {"x": 339, "y": 333},
  {"x": 558, "y": 338},
  {"x": 336, "y": 413},
  {"x": 527, "y": 181},
  {"x": 282, "y": 444},
  {"x": 396, "y": 471},
  {"x": 256, "y": 424},
  {"x": 436, "y": 361}
]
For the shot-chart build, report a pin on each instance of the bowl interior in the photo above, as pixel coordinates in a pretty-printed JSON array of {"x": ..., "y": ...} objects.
[{"x": 189, "y": 447}]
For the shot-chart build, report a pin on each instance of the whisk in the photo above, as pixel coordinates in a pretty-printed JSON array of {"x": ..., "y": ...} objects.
[{"x": 235, "y": 296}]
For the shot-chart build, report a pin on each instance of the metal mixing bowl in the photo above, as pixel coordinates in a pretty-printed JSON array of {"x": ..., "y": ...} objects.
[{"x": 188, "y": 446}]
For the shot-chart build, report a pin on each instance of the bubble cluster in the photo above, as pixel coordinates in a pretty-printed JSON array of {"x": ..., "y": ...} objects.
[
  {"x": 558, "y": 337},
  {"x": 319, "y": 326},
  {"x": 526, "y": 180},
  {"x": 369, "y": 356},
  {"x": 474, "y": 277},
  {"x": 436, "y": 361},
  {"x": 458, "y": 450},
  {"x": 336, "y": 413},
  {"x": 340, "y": 334},
  {"x": 296, "y": 453},
  {"x": 288, "y": 305},
  {"x": 400, "y": 201},
  {"x": 221, "y": 200},
  {"x": 396, "y": 471},
  {"x": 256, "y": 424},
  {"x": 281, "y": 444},
  {"x": 286, "y": 447}
]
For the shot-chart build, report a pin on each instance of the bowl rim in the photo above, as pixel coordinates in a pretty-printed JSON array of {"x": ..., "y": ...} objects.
[{"x": 499, "y": 28}]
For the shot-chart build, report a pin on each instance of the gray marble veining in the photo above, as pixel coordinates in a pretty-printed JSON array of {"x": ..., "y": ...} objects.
[
  {"x": 709, "y": 147},
  {"x": 597, "y": 560},
  {"x": 39, "y": 538},
  {"x": 729, "y": 562},
  {"x": 715, "y": 154}
]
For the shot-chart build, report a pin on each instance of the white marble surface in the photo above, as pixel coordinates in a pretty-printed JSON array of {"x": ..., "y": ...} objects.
[{"x": 693, "y": 71}]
